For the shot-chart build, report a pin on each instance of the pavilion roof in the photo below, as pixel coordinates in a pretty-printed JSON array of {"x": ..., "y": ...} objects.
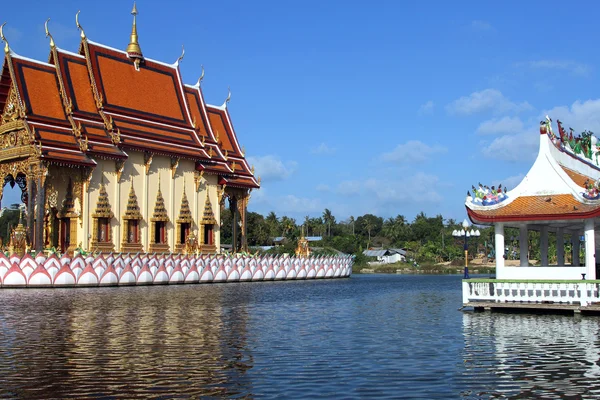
[{"x": 562, "y": 184}]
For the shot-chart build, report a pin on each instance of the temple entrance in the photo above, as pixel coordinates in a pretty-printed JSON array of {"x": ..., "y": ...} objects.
[{"x": 13, "y": 195}]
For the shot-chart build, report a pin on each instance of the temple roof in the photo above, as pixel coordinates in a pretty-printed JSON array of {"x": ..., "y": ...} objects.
[
  {"x": 101, "y": 102},
  {"x": 563, "y": 184}
]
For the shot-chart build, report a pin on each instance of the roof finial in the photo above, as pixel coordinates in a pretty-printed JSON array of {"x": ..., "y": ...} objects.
[
  {"x": 181, "y": 56},
  {"x": 6, "y": 47},
  {"x": 48, "y": 34},
  {"x": 228, "y": 96},
  {"x": 78, "y": 25},
  {"x": 133, "y": 49},
  {"x": 201, "y": 76}
]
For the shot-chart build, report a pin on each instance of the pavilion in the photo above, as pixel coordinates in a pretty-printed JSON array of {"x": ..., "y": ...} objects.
[{"x": 561, "y": 195}]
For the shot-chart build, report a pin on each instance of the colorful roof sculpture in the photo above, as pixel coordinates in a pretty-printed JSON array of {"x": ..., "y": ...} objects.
[
  {"x": 563, "y": 183},
  {"x": 101, "y": 102}
]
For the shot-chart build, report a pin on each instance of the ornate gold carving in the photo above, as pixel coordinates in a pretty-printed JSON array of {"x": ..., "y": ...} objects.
[
  {"x": 14, "y": 108},
  {"x": 132, "y": 216},
  {"x": 198, "y": 179},
  {"x": 210, "y": 152},
  {"x": 119, "y": 166},
  {"x": 252, "y": 170},
  {"x": 221, "y": 195},
  {"x": 191, "y": 244},
  {"x": 225, "y": 155},
  {"x": 243, "y": 151},
  {"x": 194, "y": 125},
  {"x": 174, "y": 165},
  {"x": 148, "y": 161},
  {"x": 18, "y": 238}
]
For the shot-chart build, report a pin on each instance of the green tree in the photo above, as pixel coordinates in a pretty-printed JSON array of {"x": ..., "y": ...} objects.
[{"x": 329, "y": 220}]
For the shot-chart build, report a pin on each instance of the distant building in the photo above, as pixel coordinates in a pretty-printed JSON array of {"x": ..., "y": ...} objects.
[{"x": 386, "y": 256}]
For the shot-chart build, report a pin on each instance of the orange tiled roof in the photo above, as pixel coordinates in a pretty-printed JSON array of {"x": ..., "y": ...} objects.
[
  {"x": 39, "y": 90},
  {"x": 218, "y": 122},
  {"x": 576, "y": 177},
  {"x": 550, "y": 207},
  {"x": 153, "y": 92}
]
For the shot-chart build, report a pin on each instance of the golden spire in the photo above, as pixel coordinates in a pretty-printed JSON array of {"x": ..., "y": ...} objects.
[
  {"x": 133, "y": 49},
  {"x": 6, "y": 47},
  {"x": 48, "y": 34}
]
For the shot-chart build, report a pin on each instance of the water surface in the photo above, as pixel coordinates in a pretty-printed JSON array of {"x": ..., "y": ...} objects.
[{"x": 370, "y": 336}]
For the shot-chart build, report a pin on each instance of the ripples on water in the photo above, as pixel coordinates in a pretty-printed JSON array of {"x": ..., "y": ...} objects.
[{"x": 382, "y": 336}]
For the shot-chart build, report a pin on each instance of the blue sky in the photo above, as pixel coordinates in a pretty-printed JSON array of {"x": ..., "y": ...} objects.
[{"x": 385, "y": 107}]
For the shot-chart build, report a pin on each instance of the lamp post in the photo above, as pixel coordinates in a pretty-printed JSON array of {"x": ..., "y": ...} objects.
[{"x": 465, "y": 233}]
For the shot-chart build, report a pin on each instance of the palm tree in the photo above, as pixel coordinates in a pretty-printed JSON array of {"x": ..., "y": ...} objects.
[
  {"x": 307, "y": 224},
  {"x": 329, "y": 219}
]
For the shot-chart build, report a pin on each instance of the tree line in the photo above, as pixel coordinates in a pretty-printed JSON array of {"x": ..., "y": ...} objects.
[{"x": 426, "y": 239}]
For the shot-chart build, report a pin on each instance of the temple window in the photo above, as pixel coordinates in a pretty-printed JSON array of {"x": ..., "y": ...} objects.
[
  {"x": 208, "y": 234},
  {"x": 101, "y": 234},
  {"x": 131, "y": 225},
  {"x": 158, "y": 225},
  {"x": 207, "y": 230},
  {"x": 184, "y": 224}
]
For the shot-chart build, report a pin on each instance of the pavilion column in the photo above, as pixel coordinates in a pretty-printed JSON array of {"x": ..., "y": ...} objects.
[
  {"x": 39, "y": 217},
  {"x": 523, "y": 246},
  {"x": 590, "y": 249},
  {"x": 30, "y": 208},
  {"x": 575, "y": 247},
  {"x": 499, "y": 239},
  {"x": 560, "y": 247},
  {"x": 544, "y": 246}
]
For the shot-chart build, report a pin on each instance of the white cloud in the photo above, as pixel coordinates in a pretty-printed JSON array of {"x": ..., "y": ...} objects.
[
  {"x": 411, "y": 152},
  {"x": 427, "y": 108},
  {"x": 322, "y": 188},
  {"x": 481, "y": 26},
  {"x": 500, "y": 125},
  {"x": 409, "y": 189},
  {"x": 348, "y": 188},
  {"x": 573, "y": 67},
  {"x": 483, "y": 101},
  {"x": 511, "y": 182},
  {"x": 271, "y": 168},
  {"x": 323, "y": 149},
  {"x": 580, "y": 115},
  {"x": 519, "y": 147}
]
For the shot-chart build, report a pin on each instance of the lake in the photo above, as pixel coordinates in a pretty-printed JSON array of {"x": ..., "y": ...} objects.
[{"x": 369, "y": 336}]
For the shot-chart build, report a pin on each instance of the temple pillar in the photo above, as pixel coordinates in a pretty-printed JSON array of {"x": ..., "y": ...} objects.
[
  {"x": 234, "y": 220},
  {"x": 242, "y": 207},
  {"x": 499, "y": 239},
  {"x": 560, "y": 246},
  {"x": 117, "y": 206},
  {"x": 575, "y": 247},
  {"x": 40, "y": 200},
  {"x": 85, "y": 207},
  {"x": 590, "y": 249},
  {"x": 30, "y": 208},
  {"x": 544, "y": 246},
  {"x": 523, "y": 246},
  {"x": 172, "y": 238}
]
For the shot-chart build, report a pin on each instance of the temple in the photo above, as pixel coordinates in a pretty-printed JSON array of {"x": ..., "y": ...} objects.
[
  {"x": 113, "y": 152},
  {"x": 560, "y": 195}
]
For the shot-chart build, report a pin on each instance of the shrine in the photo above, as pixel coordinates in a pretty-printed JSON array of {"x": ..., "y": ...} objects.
[
  {"x": 114, "y": 153},
  {"x": 559, "y": 198}
]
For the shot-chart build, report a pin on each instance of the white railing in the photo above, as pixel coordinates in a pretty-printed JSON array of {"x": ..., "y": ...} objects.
[{"x": 499, "y": 291}]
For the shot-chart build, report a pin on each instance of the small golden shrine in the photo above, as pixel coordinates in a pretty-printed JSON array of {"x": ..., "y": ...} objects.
[
  {"x": 302, "y": 250},
  {"x": 18, "y": 238},
  {"x": 158, "y": 225}
]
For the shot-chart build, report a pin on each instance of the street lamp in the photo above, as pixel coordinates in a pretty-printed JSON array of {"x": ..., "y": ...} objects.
[{"x": 465, "y": 233}]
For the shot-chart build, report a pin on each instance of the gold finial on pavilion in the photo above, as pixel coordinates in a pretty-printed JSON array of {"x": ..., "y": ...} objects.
[
  {"x": 133, "y": 49},
  {"x": 6, "y": 47},
  {"x": 48, "y": 34},
  {"x": 78, "y": 25}
]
